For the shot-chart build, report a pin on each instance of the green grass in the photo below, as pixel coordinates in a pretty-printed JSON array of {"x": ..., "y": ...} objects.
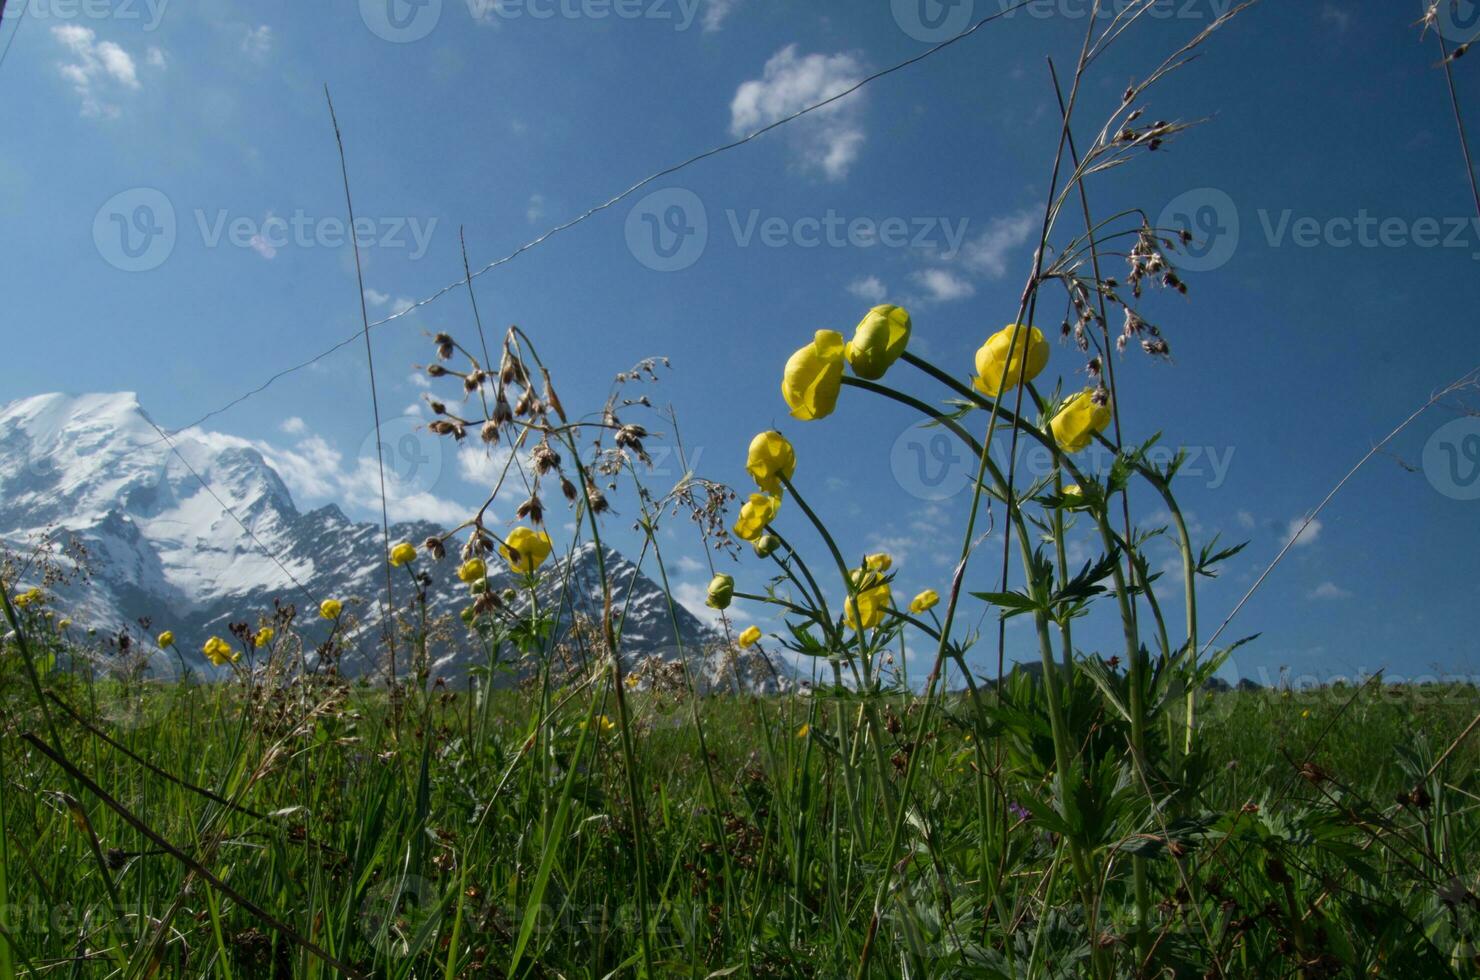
[{"x": 464, "y": 839}]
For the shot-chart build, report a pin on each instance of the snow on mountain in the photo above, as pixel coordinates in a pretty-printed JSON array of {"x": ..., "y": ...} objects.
[{"x": 94, "y": 468}]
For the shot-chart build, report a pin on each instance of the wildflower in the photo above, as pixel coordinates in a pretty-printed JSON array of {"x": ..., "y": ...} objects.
[
  {"x": 1305, "y": 713},
  {"x": 1074, "y": 498},
  {"x": 525, "y": 549},
  {"x": 219, "y": 652},
  {"x": 264, "y": 637},
  {"x": 403, "y": 554},
  {"x": 878, "y": 563},
  {"x": 331, "y": 608},
  {"x": 28, "y": 598},
  {"x": 751, "y": 636},
  {"x": 472, "y": 570},
  {"x": 878, "y": 341},
  {"x": 602, "y": 723},
  {"x": 813, "y": 377},
  {"x": 632, "y": 681},
  {"x": 765, "y": 545},
  {"x": 755, "y": 514},
  {"x": 166, "y": 640},
  {"x": 63, "y": 624},
  {"x": 924, "y": 601},
  {"x": 992, "y": 359},
  {"x": 804, "y": 731},
  {"x": 721, "y": 591},
  {"x": 1083, "y": 417},
  {"x": 770, "y": 460},
  {"x": 865, "y": 609}
]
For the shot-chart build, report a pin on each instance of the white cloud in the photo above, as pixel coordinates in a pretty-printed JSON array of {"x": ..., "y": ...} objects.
[
  {"x": 96, "y": 69},
  {"x": 536, "y": 209},
  {"x": 155, "y": 58},
  {"x": 715, "y": 12},
  {"x": 1301, "y": 538},
  {"x": 258, "y": 41},
  {"x": 943, "y": 286},
  {"x": 1329, "y": 590},
  {"x": 485, "y": 467},
  {"x": 689, "y": 566},
  {"x": 691, "y": 596},
  {"x": 829, "y": 139},
  {"x": 262, "y": 246},
  {"x": 1332, "y": 14},
  {"x": 1245, "y": 520},
  {"x": 418, "y": 380},
  {"x": 987, "y": 254},
  {"x": 293, "y": 425},
  {"x": 870, "y": 289}
]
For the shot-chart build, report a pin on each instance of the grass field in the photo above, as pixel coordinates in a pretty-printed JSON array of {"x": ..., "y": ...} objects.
[{"x": 464, "y": 839}]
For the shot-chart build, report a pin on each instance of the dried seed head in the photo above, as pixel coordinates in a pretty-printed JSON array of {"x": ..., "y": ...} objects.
[
  {"x": 489, "y": 433},
  {"x": 501, "y": 411},
  {"x": 531, "y": 510},
  {"x": 569, "y": 489},
  {"x": 544, "y": 458},
  {"x": 436, "y": 370},
  {"x": 434, "y": 547},
  {"x": 438, "y": 408},
  {"x": 597, "y": 500},
  {"x": 444, "y": 345}
]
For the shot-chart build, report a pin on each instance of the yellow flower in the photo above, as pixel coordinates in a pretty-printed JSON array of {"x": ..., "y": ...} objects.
[
  {"x": 804, "y": 731},
  {"x": 602, "y": 723},
  {"x": 751, "y": 636},
  {"x": 755, "y": 514},
  {"x": 992, "y": 358},
  {"x": 878, "y": 563},
  {"x": 865, "y": 610},
  {"x": 813, "y": 377},
  {"x": 166, "y": 640},
  {"x": 632, "y": 681},
  {"x": 219, "y": 652},
  {"x": 63, "y": 624},
  {"x": 1081, "y": 418},
  {"x": 1305, "y": 713},
  {"x": 472, "y": 570},
  {"x": 879, "y": 340},
  {"x": 770, "y": 459},
  {"x": 28, "y": 598},
  {"x": 331, "y": 608},
  {"x": 721, "y": 591},
  {"x": 403, "y": 554},
  {"x": 525, "y": 549},
  {"x": 924, "y": 601},
  {"x": 264, "y": 637}
]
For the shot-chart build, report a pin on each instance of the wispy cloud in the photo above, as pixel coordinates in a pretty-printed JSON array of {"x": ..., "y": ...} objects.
[
  {"x": 1329, "y": 590},
  {"x": 988, "y": 253},
  {"x": 98, "y": 70},
  {"x": 827, "y": 141},
  {"x": 715, "y": 13},
  {"x": 535, "y": 209},
  {"x": 1301, "y": 538},
  {"x": 943, "y": 285},
  {"x": 870, "y": 289},
  {"x": 257, "y": 43}
]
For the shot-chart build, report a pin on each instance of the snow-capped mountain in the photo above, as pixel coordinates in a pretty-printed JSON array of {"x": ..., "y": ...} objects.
[{"x": 94, "y": 469}]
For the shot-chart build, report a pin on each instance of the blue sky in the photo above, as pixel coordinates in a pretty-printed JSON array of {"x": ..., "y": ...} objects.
[{"x": 1333, "y": 289}]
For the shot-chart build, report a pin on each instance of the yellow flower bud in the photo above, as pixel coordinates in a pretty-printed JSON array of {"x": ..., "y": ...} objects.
[
  {"x": 924, "y": 601},
  {"x": 879, "y": 340},
  {"x": 1081, "y": 418},
  {"x": 63, "y": 624},
  {"x": 769, "y": 460},
  {"x": 992, "y": 358},
  {"x": 472, "y": 570},
  {"x": 331, "y": 608},
  {"x": 721, "y": 591},
  {"x": 166, "y": 640},
  {"x": 804, "y": 731},
  {"x": 264, "y": 637},
  {"x": 865, "y": 610},
  {"x": 813, "y": 377},
  {"x": 755, "y": 514},
  {"x": 751, "y": 636},
  {"x": 766, "y": 545},
  {"x": 878, "y": 563},
  {"x": 525, "y": 549},
  {"x": 403, "y": 554}
]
